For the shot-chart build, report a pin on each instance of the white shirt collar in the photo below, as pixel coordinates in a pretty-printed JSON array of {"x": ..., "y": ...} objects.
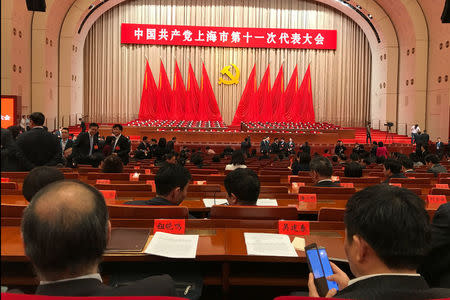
[
  {"x": 90, "y": 276},
  {"x": 381, "y": 274},
  {"x": 324, "y": 180}
]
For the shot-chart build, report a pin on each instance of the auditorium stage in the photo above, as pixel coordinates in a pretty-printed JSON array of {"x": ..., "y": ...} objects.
[{"x": 323, "y": 137}]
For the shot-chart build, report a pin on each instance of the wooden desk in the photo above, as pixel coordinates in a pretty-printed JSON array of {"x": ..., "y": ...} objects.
[{"x": 221, "y": 253}]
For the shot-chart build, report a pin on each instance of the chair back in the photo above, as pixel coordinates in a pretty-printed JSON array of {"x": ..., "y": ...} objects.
[
  {"x": 331, "y": 214},
  {"x": 125, "y": 187},
  {"x": 147, "y": 212},
  {"x": 253, "y": 212},
  {"x": 12, "y": 210},
  {"x": 410, "y": 180},
  {"x": 325, "y": 190}
]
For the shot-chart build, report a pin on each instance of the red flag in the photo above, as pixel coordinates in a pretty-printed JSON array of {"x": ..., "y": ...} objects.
[
  {"x": 286, "y": 108},
  {"x": 260, "y": 98},
  {"x": 165, "y": 95},
  {"x": 277, "y": 95},
  {"x": 179, "y": 95},
  {"x": 209, "y": 99},
  {"x": 193, "y": 96},
  {"x": 306, "y": 98},
  {"x": 149, "y": 96},
  {"x": 249, "y": 93}
]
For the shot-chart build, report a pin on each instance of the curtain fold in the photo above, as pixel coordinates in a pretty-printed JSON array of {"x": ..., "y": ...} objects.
[{"x": 113, "y": 77}]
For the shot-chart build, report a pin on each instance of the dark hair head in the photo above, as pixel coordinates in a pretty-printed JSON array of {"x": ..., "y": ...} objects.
[
  {"x": 354, "y": 157},
  {"x": 15, "y": 130},
  {"x": 65, "y": 228},
  {"x": 380, "y": 144},
  {"x": 244, "y": 184},
  {"x": 162, "y": 143},
  {"x": 112, "y": 164},
  {"x": 197, "y": 159},
  {"x": 170, "y": 155},
  {"x": 407, "y": 162},
  {"x": 432, "y": 158},
  {"x": 118, "y": 126},
  {"x": 216, "y": 158},
  {"x": 207, "y": 148},
  {"x": 353, "y": 169},
  {"x": 171, "y": 176},
  {"x": 394, "y": 165},
  {"x": 393, "y": 221},
  {"x": 144, "y": 138},
  {"x": 38, "y": 178},
  {"x": 38, "y": 118},
  {"x": 93, "y": 125},
  {"x": 305, "y": 158},
  {"x": 65, "y": 128},
  {"x": 322, "y": 166},
  {"x": 335, "y": 158},
  {"x": 325, "y": 151},
  {"x": 237, "y": 158}
]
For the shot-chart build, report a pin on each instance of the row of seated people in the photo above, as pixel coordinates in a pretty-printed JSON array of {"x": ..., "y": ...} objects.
[{"x": 63, "y": 215}]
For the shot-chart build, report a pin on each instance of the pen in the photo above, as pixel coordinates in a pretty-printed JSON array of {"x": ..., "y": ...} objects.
[{"x": 187, "y": 290}]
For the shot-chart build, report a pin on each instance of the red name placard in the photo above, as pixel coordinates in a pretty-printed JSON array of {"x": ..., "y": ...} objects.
[
  {"x": 103, "y": 181},
  {"x": 4, "y": 179},
  {"x": 176, "y": 226},
  {"x": 308, "y": 198},
  {"x": 347, "y": 184},
  {"x": 293, "y": 227},
  {"x": 242, "y": 37},
  {"x": 441, "y": 186},
  {"x": 199, "y": 182},
  {"x": 152, "y": 184},
  {"x": 436, "y": 199},
  {"x": 148, "y": 171},
  {"x": 396, "y": 184},
  {"x": 134, "y": 176},
  {"x": 109, "y": 194}
]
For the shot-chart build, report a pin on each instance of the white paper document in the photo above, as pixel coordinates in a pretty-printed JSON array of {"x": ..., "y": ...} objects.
[
  {"x": 173, "y": 245},
  {"x": 269, "y": 244},
  {"x": 210, "y": 202},
  {"x": 266, "y": 202}
]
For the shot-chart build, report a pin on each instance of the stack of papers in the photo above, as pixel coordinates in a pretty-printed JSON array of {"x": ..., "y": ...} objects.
[
  {"x": 269, "y": 244},
  {"x": 173, "y": 245},
  {"x": 210, "y": 202},
  {"x": 266, "y": 202}
]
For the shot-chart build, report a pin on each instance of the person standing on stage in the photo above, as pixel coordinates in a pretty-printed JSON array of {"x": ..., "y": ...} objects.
[
  {"x": 368, "y": 135},
  {"x": 245, "y": 146},
  {"x": 414, "y": 130},
  {"x": 291, "y": 146}
]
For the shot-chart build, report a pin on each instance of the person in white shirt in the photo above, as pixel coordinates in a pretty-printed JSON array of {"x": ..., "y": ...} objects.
[
  {"x": 386, "y": 237},
  {"x": 23, "y": 123},
  {"x": 414, "y": 130},
  {"x": 237, "y": 161}
]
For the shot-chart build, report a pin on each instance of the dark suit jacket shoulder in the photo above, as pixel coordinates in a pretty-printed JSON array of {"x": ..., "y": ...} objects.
[
  {"x": 388, "y": 287},
  {"x": 154, "y": 201},
  {"x": 162, "y": 285},
  {"x": 328, "y": 184},
  {"x": 40, "y": 147},
  {"x": 81, "y": 145}
]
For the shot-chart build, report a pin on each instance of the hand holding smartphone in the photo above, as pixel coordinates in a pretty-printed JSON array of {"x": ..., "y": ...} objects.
[{"x": 319, "y": 265}]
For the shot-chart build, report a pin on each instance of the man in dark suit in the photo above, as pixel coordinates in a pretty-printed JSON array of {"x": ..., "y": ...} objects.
[
  {"x": 86, "y": 149},
  {"x": 66, "y": 146},
  {"x": 392, "y": 169},
  {"x": 120, "y": 145},
  {"x": 171, "y": 183},
  {"x": 439, "y": 147},
  {"x": 322, "y": 170},
  {"x": 435, "y": 267},
  {"x": 65, "y": 232},
  {"x": 40, "y": 147},
  {"x": 264, "y": 147},
  {"x": 82, "y": 125},
  {"x": 143, "y": 149},
  {"x": 291, "y": 146},
  {"x": 340, "y": 148},
  {"x": 245, "y": 146},
  {"x": 275, "y": 146},
  {"x": 381, "y": 251}
]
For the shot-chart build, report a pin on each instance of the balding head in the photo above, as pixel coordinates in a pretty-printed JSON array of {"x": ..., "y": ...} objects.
[{"x": 65, "y": 229}]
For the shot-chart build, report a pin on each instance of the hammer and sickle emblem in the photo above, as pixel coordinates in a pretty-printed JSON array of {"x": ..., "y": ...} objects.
[{"x": 227, "y": 71}]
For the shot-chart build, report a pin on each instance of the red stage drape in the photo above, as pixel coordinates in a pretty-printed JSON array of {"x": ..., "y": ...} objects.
[
  {"x": 209, "y": 99},
  {"x": 306, "y": 98},
  {"x": 149, "y": 95},
  {"x": 179, "y": 95},
  {"x": 249, "y": 93},
  {"x": 255, "y": 107},
  {"x": 165, "y": 95},
  {"x": 193, "y": 97},
  {"x": 288, "y": 97},
  {"x": 277, "y": 96}
]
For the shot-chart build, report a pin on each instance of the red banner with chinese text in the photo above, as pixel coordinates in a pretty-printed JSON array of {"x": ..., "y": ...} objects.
[{"x": 208, "y": 36}]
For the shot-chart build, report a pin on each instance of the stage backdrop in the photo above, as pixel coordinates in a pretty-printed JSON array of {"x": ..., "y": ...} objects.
[{"x": 113, "y": 73}]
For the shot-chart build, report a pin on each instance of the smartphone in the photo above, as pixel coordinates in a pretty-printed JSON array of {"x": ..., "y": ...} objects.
[
  {"x": 327, "y": 268},
  {"x": 319, "y": 265}
]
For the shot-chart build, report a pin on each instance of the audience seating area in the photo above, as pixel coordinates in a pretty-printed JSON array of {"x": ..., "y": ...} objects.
[{"x": 221, "y": 250}]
